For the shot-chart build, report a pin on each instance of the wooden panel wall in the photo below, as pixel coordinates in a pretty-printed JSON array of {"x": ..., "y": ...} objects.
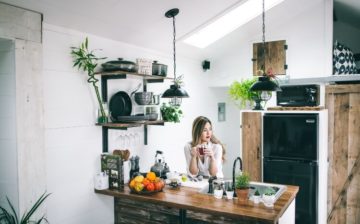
[
  {"x": 343, "y": 103},
  {"x": 251, "y": 144}
]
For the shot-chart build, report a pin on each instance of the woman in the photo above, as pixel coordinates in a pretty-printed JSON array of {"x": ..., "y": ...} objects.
[{"x": 207, "y": 161}]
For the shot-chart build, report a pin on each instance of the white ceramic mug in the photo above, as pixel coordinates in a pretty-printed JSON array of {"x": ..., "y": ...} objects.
[
  {"x": 218, "y": 193},
  {"x": 229, "y": 194},
  {"x": 101, "y": 181}
]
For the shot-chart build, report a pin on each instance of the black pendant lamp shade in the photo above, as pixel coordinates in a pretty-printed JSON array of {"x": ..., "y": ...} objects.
[
  {"x": 265, "y": 84},
  {"x": 175, "y": 91}
]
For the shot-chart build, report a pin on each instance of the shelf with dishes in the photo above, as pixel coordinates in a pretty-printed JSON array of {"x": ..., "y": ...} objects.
[
  {"x": 122, "y": 113},
  {"x": 113, "y": 125}
]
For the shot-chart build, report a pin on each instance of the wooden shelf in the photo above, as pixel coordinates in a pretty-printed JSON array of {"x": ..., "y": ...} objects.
[
  {"x": 130, "y": 125},
  {"x": 134, "y": 74}
]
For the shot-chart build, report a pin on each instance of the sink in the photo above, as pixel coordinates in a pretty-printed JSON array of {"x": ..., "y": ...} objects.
[{"x": 261, "y": 187}]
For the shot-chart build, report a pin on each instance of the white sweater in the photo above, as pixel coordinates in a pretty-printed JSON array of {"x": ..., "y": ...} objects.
[{"x": 204, "y": 167}]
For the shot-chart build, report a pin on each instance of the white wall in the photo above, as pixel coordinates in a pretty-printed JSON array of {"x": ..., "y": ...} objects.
[{"x": 8, "y": 152}]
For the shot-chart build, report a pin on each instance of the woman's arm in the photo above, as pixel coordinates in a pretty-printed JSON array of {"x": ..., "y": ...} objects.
[
  {"x": 215, "y": 160},
  {"x": 191, "y": 159}
]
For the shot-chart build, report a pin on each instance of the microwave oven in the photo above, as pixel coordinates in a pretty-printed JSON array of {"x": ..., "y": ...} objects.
[{"x": 298, "y": 95}]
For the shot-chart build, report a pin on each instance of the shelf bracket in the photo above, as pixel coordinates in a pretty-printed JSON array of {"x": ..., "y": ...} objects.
[
  {"x": 145, "y": 134},
  {"x": 104, "y": 79},
  {"x": 105, "y": 139}
]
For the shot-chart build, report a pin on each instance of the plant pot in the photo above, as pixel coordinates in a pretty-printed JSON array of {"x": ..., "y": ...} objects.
[
  {"x": 242, "y": 194},
  {"x": 268, "y": 200}
]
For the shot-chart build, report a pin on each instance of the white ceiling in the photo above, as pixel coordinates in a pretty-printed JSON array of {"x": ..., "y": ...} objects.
[
  {"x": 142, "y": 22},
  {"x": 137, "y": 22}
]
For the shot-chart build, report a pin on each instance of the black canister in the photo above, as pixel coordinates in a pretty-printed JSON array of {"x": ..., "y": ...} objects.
[{"x": 159, "y": 69}]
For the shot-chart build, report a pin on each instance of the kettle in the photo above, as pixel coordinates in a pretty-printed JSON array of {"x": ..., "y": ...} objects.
[{"x": 160, "y": 168}]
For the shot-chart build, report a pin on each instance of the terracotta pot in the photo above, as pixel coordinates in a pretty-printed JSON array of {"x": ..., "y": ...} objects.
[{"x": 242, "y": 194}]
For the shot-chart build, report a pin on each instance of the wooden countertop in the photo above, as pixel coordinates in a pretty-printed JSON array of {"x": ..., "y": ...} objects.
[{"x": 189, "y": 199}]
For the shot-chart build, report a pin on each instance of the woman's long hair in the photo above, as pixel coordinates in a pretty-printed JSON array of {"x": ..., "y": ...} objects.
[{"x": 197, "y": 129}]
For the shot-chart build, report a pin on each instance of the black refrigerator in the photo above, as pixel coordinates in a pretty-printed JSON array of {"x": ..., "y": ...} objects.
[{"x": 290, "y": 150}]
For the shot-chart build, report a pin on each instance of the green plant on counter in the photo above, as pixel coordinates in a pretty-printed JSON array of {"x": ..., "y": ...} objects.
[
  {"x": 171, "y": 113},
  {"x": 10, "y": 217},
  {"x": 240, "y": 92},
  {"x": 242, "y": 180},
  {"x": 85, "y": 60},
  {"x": 257, "y": 193},
  {"x": 269, "y": 191}
]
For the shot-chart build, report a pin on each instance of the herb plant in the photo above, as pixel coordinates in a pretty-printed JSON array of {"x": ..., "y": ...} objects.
[
  {"x": 269, "y": 191},
  {"x": 240, "y": 92},
  {"x": 85, "y": 60},
  {"x": 242, "y": 181},
  {"x": 10, "y": 217},
  {"x": 171, "y": 113}
]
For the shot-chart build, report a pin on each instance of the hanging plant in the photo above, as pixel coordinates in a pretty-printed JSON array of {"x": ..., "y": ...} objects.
[
  {"x": 85, "y": 60},
  {"x": 171, "y": 113},
  {"x": 240, "y": 92}
]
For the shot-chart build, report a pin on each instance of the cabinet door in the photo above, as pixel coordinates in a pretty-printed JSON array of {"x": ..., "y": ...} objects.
[
  {"x": 251, "y": 144},
  {"x": 128, "y": 211},
  {"x": 343, "y": 104}
]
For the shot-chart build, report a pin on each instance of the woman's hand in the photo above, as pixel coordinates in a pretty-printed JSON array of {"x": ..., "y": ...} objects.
[
  {"x": 194, "y": 151},
  {"x": 208, "y": 152}
]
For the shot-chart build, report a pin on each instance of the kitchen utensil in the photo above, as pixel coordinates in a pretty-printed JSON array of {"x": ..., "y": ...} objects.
[
  {"x": 152, "y": 117},
  {"x": 143, "y": 98},
  {"x": 160, "y": 168},
  {"x": 136, "y": 118},
  {"x": 119, "y": 65},
  {"x": 159, "y": 69},
  {"x": 136, "y": 89},
  {"x": 155, "y": 100},
  {"x": 120, "y": 105}
]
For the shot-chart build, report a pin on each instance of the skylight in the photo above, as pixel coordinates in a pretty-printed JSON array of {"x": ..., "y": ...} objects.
[{"x": 228, "y": 22}]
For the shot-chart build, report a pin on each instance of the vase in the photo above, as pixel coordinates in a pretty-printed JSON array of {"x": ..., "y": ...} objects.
[{"x": 242, "y": 194}]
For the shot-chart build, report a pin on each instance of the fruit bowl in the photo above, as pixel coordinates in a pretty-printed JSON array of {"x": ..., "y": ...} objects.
[{"x": 148, "y": 184}]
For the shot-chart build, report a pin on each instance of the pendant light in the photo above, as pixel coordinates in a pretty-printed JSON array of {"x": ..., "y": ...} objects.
[
  {"x": 264, "y": 86},
  {"x": 175, "y": 92}
]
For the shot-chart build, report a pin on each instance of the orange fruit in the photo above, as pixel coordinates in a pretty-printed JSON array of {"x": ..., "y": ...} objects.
[
  {"x": 132, "y": 183},
  {"x": 145, "y": 182},
  {"x": 158, "y": 186},
  {"x": 151, "y": 176},
  {"x": 150, "y": 187}
]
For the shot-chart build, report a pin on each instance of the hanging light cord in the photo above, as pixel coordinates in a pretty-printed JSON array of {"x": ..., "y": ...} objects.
[
  {"x": 174, "y": 48},
  {"x": 263, "y": 35}
]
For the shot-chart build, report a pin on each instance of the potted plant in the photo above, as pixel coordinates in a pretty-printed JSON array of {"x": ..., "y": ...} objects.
[
  {"x": 85, "y": 60},
  {"x": 10, "y": 217},
  {"x": 171, "y": 113},
  {"x": 240, "y": 92},
  {"x": 256, "y": 197},
  {"x": 242, "y": 186},
  {"x": 269, "y": 197}
]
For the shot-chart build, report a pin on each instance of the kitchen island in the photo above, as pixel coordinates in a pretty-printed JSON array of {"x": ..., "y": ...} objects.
[{"x": 187, "y": 205}]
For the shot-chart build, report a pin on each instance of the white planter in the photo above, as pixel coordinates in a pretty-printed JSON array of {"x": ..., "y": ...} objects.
[
  {"x": 268, "y": 200},
  {"x": 256, "y": 199}
]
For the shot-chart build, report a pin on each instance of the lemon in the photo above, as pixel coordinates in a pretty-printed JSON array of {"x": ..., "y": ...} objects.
[
  {"x": 139, "y": 178},
  {"x": 183, "y": 178}
]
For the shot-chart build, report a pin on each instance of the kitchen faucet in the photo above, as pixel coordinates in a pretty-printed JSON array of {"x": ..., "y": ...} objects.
[{"x": 233, "y": 173}]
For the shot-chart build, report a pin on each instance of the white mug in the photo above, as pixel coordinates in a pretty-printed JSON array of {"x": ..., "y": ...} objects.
[
  {"x": 101, "y": 181},
  {"x": 218, "y": 193}
]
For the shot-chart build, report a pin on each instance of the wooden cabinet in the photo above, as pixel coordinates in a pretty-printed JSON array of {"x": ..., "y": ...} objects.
[
  {"x": 251, "y": 144},
  {"x": 105, "y": 76},
  {"x": 343, "y": 104}
]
